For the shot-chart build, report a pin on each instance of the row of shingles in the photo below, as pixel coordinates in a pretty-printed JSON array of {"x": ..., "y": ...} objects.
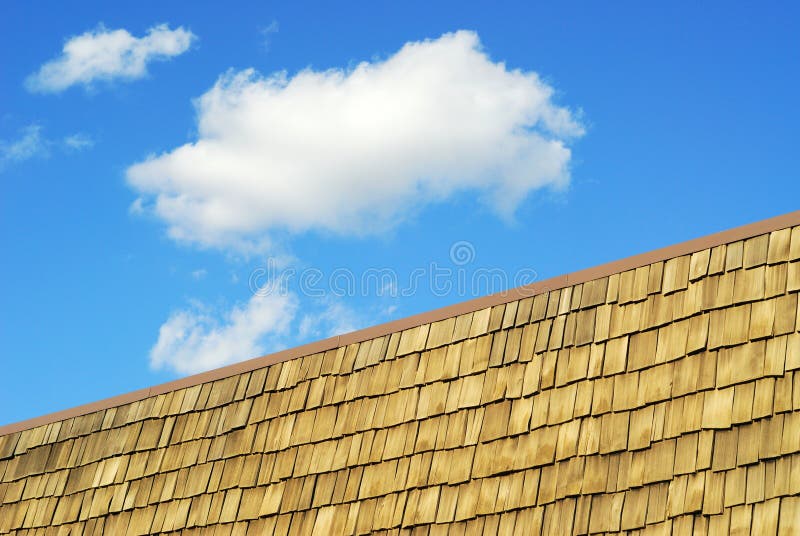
[
  {"x": 764, "y": 516},
  {"x": 102, "y": 435},
  {"x": 689, "y": 487},
  {"x": 736, "y": 520},
  {"x": 17, "y": 444},
  {"x": 524, "y": 521},
  {"x": 334, "y": 520},
  {"x": 779, "y": 516},
  {"x": 702, "y": 492},
  {"x": 771, "y": 516}
]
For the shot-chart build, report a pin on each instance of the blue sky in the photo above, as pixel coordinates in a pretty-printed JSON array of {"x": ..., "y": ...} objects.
[{"x": 170, "y": 170}]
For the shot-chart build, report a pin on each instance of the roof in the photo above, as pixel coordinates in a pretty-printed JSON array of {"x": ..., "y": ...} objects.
[
  {"x": 655, "y": 395},
  {"x": 709, "y": 241}
]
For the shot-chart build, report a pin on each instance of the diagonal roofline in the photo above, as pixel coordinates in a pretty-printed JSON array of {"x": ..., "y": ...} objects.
[{"x": 776, "y": 223}]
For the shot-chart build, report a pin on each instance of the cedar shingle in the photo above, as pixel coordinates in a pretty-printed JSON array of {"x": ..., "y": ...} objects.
[
  {"x": 765, "y": 517},
  {"x": 614, "y": 432},
  {"x": 718, "y": 408},
  {"x": 615, "y": 356},
  {"x": 733, "y": 255},
  {"x": 676, "y": 274},
  {"x": 789, "y": 521}
]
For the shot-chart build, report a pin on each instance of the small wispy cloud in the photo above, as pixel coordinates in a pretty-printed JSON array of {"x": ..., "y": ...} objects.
[
  {"x": 196, "y": 339},
  {"x": 78, "y": 142},
  {"x": 104, "y": 54},
  {"x": 267, "y": 32},
  {"x": 335, "y": 318},
  {"x": 30, "y": 144},
  {"x": 137, "y": 207},
  {"x": 199, "y": 274}
]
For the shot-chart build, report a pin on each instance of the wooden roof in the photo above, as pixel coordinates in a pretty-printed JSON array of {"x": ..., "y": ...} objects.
[{"x": 659, "y": 395}]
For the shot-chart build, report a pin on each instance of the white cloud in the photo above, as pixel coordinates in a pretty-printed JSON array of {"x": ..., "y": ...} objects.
[
  {"x": 30, "y": 144},
  {"x": 267, "y": 32},
  {"x": 78, "y": 142},
  {"x": 194, "y": 340},
  {"x": 137, "y": 207},
  {"x": 104, "y": 54},
  {"x": 199, "y": 274},
  {"x": 334, "y": 319},
  {"x": 355, "y": 151}
]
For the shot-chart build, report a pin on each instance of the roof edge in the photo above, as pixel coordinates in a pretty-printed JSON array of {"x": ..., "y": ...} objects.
[{"x": 776, "y": 223}]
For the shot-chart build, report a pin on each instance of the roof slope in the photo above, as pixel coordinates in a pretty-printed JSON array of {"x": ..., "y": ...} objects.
[{"x": 659, "y": 393}]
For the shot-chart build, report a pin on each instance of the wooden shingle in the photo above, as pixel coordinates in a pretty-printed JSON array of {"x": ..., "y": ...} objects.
[
  {"x": 718, "y": 408},
  {"x": 733, "y": 255},
  {"x": 614, "y": 432},
  {"x": 778, "y": 248}
]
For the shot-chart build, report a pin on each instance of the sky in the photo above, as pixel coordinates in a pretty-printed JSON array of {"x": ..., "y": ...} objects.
[{"x": 184, "y": 186}]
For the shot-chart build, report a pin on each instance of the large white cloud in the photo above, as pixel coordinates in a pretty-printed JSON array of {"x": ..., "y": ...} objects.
[
  {"x": 104, "y": 54},
  {"x": 355, "y": 150},
  {"x": 193, "y": 340}
]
